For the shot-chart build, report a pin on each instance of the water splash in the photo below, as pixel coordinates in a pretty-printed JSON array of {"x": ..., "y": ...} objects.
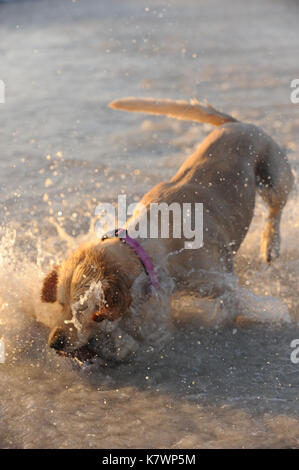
[{"x": 84, "y": 308}]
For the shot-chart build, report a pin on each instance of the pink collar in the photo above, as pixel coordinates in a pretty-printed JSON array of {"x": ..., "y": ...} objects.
[{"x": 140, "y": 252}]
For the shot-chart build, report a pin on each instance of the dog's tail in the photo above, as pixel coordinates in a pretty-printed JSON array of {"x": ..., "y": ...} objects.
[{"x": 193, "y": 111}]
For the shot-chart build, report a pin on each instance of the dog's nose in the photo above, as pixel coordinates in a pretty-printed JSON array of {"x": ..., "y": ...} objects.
[{"x": 57, "y": 339}]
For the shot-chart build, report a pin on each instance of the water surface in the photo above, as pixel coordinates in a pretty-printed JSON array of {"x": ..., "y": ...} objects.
[{"x": 63, "y": 151}]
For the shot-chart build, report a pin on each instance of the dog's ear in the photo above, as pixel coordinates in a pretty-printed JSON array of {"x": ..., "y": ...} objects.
[
  {"x": 118, "y": 299},
  {"x": 49, "y": 289}
]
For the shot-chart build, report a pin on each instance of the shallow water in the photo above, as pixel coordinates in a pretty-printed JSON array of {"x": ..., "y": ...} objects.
[{"x": 63, "y": 151}]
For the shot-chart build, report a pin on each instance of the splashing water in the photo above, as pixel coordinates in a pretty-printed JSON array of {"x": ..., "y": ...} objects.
[{"x": 84, "y": 307}]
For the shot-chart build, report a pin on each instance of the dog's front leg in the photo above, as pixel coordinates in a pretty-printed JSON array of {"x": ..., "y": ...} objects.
[
  {"x": 239, "y": 303},
  {"x": 228, "y": 301}
]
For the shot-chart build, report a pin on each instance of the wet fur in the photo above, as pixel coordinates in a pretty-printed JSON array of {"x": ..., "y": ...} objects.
[{"x": 232, "y": 164}]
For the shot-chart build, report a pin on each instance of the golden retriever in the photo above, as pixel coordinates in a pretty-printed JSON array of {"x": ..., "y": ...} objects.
[{"x": 103, "y": 287}]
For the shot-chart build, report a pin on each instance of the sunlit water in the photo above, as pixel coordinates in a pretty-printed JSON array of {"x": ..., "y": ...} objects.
[{"x": 63, "y": 151}]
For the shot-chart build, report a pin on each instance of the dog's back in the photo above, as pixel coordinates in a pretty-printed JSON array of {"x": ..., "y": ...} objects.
[{"x": 231, "y": 164}]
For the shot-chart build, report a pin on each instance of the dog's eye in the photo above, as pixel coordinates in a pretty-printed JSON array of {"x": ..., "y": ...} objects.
[{"x": 62, "y": 304}]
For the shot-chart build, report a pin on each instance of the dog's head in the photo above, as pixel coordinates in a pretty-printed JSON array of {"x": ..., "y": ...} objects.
[{"x": 92, "y": 284}]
